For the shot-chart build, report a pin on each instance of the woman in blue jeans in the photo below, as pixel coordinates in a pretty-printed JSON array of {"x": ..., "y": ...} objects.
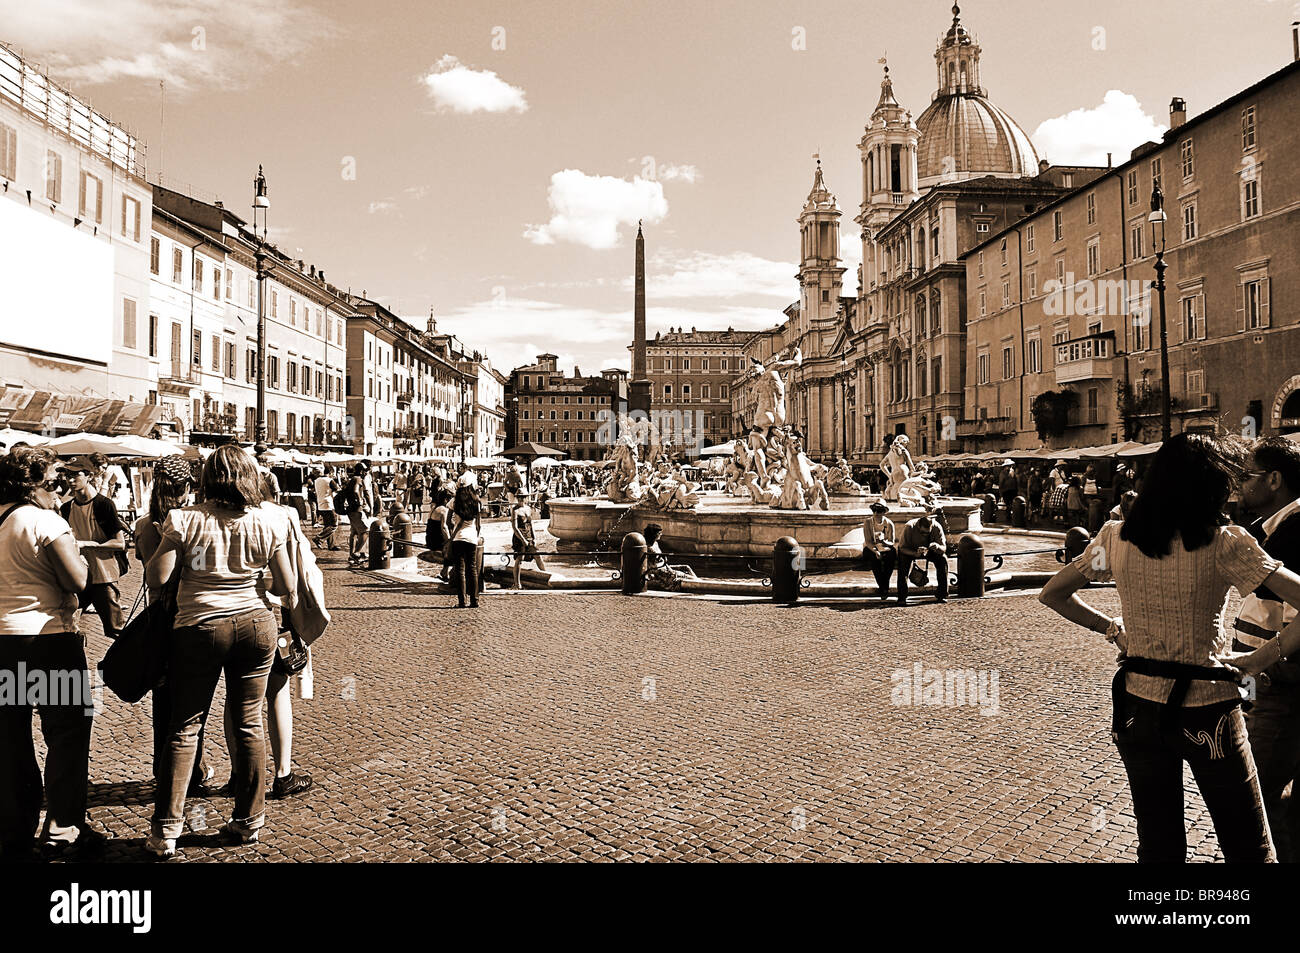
[
  {"x": 219, "y": 547},
  {"x": 1176, "y": 695}
]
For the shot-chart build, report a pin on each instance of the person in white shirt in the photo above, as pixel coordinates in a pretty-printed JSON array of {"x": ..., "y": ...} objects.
[
  {"x": 465, "y": 534},
  {"x": 325, "y": 490}
]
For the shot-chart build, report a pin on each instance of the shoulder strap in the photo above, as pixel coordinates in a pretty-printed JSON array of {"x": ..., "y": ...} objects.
[{"x": 17, "y": 506}]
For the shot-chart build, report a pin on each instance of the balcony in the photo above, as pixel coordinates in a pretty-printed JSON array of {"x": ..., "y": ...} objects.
[
  {"x": 1086, "y": 358},
  {"x": 985, "y": 427},
  {"x": 404, "y": 399},
  {"x": 898, "y": 198}
]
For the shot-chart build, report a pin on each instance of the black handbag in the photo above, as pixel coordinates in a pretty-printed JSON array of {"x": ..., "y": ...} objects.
[
  {"x": 136, "y": 662},
  {"x": 291, "y": 653}
]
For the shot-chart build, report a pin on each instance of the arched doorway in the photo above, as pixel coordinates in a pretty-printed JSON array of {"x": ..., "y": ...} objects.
[{"x": 1290, "y": 422}]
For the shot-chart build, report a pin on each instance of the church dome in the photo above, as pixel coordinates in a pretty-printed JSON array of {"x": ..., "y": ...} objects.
[{"x": 964, "y": 136}]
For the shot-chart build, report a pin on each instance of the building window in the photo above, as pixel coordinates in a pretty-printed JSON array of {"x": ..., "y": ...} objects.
[
  {"x": 176, "y": 348},
  {"x": 1057, "y": 226},
  {"x": 1141, "y": 330},
  {"x": 1060, "y": 273},
  {"x": 275, "y": 305},
  {"x": 1094, "y": 257},
  {"x": 1189, "y": 221},
  {"x": 230, "y": 282},
  {"x": 1193, "y": 318},
  {"x": 1248, "y": 129},
  {"x": 979, "y": 270},
  {"x": 131, "y": 218},
  {"x": 1034, "y": 355},
  {"x": 982, "y": 227},
  {"x": 1006, "y": 294},
  {"x": 216, "y": 352},
  {"x": 1029, "y": 237},
  {"x": 53, "y": 176},
  {"x": 1008, "y": 364},
  {"x": 1067, "y": 180},
  {"x": 1250, "y": 197},
  {"x": 155, "y": 248},
  {"x": 1155, "y": 171},
  {"x": 273, "y": 372},
  {"x": 198, "y": 274},
  {"x": 1004, "y": 251},
  {"x": 668, "y": 391},
  {"x": 293, "y": 312},
  {"x": 252, "y": 293},
  {"x": 178, "y": 265},
  {"x": 983, "y": 367},
  {"x": 92, "y": 198},
  {"x": 231, "y": 361},
  {"x": 128, "y": 323},
  {"x": 250, "y": 365},
  {"x": 1092, "y": 208},
  {"x": 706, "y": 392},
  {"x": 1189, "y": 165},
  {"x": 153, "y": 335},
  {"x": 1135, "y": 240},
  {"x": 1132, "y": 187},
  {"x": 983, "y": 308},
  {"x": 8, "y": 151},
  {"x": 1255, "y": 302},
  {"x": 197, "y": 357},
  {"x": 216, "y": 282},
  {"x": 1031, "y": 278}
]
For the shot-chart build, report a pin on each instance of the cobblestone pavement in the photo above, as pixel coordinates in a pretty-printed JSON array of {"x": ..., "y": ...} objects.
[{"x": 602, "y": 727}]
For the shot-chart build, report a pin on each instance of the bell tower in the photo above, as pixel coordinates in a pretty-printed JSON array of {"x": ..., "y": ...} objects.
[
  {"x": 820, "y": 273},
  {"x": 889, "y": 180}
]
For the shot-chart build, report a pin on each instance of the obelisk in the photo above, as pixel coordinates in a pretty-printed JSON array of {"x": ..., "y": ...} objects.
[{"x": 639, "y": 390}]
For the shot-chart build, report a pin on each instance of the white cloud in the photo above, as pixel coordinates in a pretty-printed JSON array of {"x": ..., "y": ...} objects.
[
  {"x": 460, "y": 89},
  {"x": 705, "y": 275},
  {"x": 588, "y": 209},
  {"x": 186, "y": 43},
  {"x": 1084, "y": 136}
]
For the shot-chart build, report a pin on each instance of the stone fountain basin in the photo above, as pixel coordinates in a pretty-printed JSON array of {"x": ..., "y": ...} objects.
[{"x": 730, "y": 526}]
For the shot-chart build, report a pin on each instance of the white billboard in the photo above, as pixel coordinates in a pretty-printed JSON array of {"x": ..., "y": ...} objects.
[{"x": 56, "y": 285}]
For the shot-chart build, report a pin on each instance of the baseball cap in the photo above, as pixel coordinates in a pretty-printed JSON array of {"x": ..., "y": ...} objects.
[{"x": 79, "y": 465}]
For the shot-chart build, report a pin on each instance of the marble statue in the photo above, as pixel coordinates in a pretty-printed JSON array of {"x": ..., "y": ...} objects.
[
  {"x": 624, "y": 483},
  {"x": 897, "y": 467},
  {"x": 919, "y": 489},
  {"x": 839, "y": 479},
  {"x": 770, "y": 390}
]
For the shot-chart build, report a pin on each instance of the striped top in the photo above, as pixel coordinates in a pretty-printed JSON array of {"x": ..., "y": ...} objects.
[{"x": 1173, "y": 607}]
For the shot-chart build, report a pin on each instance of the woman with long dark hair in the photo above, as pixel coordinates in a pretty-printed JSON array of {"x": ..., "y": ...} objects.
[
  {"x": 465, "y": 534},
  {"x": 1176, "y": 696},
  {"x": 41, "y": 573},
  {"x": 219, "y": 547},
  {"x": 173, "y": 484}
]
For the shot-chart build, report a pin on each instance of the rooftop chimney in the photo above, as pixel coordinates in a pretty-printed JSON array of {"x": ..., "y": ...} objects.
[
  {"x": 1177, "y": 112},
  {"x": 1295, "y": 39},
  {"x": 1043, "y": 166},
  {"x": 1110, "y": 160}
]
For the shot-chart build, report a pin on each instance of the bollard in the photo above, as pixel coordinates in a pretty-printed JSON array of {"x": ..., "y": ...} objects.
[
  {"x": 970, "y": 566},
  {"x": 990, "y": 508},
  {"x": 403, "y": 526},
  {"x": 1019, "y": 512},
  {"x": 380, "y": 545},
  {"x": 787, "y": 570},
  {"x": 635, "y": 556},
  {"x": 1076, "y": 541}
]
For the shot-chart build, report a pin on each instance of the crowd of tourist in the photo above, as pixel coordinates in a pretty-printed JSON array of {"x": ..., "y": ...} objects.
[{"x": 221, "y": 556}]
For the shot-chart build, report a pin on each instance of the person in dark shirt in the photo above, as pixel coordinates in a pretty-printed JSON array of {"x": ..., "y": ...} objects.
[{"x": 923, "y": 538}]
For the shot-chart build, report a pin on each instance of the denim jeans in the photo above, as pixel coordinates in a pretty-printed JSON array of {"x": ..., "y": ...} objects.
[
  {"x": 162, "y": 721},
  {"x": 66, "y": 730},
  {"x": 464, "y": 559},
  {"x": 881, "y": 562},
  {"x": 1274, "y": 726},
  {"x": 936, "y": 555},
  {"x": 241, "y": 646},
  {"x": 1212, "y": 739}
]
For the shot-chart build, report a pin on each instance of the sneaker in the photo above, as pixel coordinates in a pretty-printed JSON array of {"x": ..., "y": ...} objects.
[
  {"x": 163, "y": 847},
  {"x": 204, "y": 787},
  {"x": 89, "y": 843},
  {"x": 231, "y": 833},
  {"x": 291, "y": 784}
]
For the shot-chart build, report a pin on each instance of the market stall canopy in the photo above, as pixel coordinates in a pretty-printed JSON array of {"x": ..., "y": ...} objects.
[
  {"x": 76, "y": 444},
  {"x": 543, "y": 463},
  {"x": 335, "y": 458},
  {"x": 149, "y": 448},
  {"x": 531, "y": 449},
  {"x": 1141, "y": 450}
]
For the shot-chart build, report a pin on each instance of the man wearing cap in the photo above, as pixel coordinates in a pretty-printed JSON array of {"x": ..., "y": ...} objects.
[
  {"x": 879, "y": 545},
  {"x": 923, "y": 539},
  {"x": 100, "y": 538}
]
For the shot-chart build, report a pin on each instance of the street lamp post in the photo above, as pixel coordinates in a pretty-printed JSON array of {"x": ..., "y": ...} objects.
[
  {"x": 1157, "y": 218},
  {"x": 260, "y": 204}
]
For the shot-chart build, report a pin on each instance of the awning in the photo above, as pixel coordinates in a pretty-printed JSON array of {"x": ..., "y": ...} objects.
[{"x": 50, "y": 412}]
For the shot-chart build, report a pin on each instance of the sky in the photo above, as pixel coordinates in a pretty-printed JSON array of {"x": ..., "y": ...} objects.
[{"x": 490, "y": 160}]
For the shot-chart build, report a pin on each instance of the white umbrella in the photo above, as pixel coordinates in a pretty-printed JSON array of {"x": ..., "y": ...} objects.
[
  {"x": 545, "y": 462},
  {"x": 76, "y": 444},
  {"x": 9, "y": 436},
  {"x": 720, "y": 450},
  {"x": 150, "y": 448}
]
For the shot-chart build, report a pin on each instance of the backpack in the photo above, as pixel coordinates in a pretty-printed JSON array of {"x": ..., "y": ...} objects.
[{"x": 344, "y": 502}]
